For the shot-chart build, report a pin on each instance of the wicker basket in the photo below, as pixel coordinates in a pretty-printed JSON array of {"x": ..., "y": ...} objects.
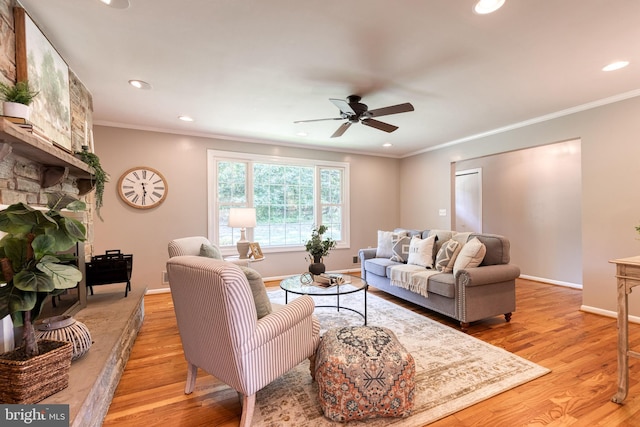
[{"x": 30, "y": 381}]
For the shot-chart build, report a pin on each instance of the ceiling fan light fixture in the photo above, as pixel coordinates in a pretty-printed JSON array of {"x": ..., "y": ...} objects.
[
  {"x": 116, "y": 4},
  {"x": 484, "y": 7},
  {"x": 615, "y": 66},
  {"x": 140, "y": 84}
]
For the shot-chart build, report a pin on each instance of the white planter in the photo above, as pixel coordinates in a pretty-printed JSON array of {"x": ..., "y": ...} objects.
[{"x": 16, "y": 110}]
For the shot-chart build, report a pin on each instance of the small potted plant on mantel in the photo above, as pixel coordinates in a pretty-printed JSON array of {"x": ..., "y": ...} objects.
[
  {"x": 33, "y": 267},
  {"x": 319, "y": 248},
  {"x": 17, "y": 99}
]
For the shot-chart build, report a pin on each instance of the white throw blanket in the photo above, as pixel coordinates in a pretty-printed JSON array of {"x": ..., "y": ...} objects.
[{"x": 412, "y": 277}]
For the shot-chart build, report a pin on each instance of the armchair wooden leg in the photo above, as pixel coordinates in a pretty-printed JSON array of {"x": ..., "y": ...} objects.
[
  {"x": 507, "y": 317},
  {"x": 192, "y": 373},
  {"x": 248, "y": 405},
  {"x": 464, "y": 326}
]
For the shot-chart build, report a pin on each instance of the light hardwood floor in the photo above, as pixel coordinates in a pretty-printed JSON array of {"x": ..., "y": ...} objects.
[{"x": 547, "y": 328}]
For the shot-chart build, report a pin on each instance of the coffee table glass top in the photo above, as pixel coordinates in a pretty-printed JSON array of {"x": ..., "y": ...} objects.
[{"x": 295, "y": 285}]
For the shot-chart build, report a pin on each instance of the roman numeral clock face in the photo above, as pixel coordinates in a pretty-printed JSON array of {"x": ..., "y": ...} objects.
[{"x": 142, "y": 187}]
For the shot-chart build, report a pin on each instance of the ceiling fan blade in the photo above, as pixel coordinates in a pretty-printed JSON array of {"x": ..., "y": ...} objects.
[
  {"x": 343, "y": 106},
  {"x": 318, "y": 120},
  {"x": 379, "y": 125},
  {"x": 342, "y": 129},
  {"x": 394, "y": 109}
]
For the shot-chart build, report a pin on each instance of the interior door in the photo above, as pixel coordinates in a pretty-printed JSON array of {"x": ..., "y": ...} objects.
[{"x": 468, "y": 200}]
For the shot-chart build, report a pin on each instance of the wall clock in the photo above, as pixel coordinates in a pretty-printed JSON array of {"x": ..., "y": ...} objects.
[{"x": 143, "y": 187}]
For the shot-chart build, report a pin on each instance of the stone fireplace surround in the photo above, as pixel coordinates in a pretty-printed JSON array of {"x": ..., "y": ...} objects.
[{"x": 29, "y": 168}]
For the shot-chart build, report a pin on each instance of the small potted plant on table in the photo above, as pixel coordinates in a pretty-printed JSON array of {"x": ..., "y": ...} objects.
[{"x": 318, "y": 248}]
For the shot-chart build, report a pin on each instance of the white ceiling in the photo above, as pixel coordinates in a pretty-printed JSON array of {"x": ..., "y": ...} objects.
[{"x": 246, "y": 69}]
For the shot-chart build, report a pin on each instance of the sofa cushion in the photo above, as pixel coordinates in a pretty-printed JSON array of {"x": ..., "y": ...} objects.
[
  {"x": 497, "y": 248},
  {"x": 447, "y": 255},
  {"x": 401, "y": 249},
  {"x": 443, "y": 236},
  {"x": 442, "y": 284},
  {"x": 471, "y": 255},
  {"x": 378, "y": 266},
  {"x": 410, "y": 232}
]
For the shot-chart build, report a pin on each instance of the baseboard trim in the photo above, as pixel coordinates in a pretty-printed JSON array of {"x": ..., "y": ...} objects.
[
  {"x": 606, "y": 313},
  {"x": 552, "y": 282},
  {"x": 266, "y": 279},
  {"x": 158, "y": 291}
]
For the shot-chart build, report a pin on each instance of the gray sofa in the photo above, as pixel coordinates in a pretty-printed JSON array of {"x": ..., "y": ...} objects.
[{"x": 472, "y": 294}]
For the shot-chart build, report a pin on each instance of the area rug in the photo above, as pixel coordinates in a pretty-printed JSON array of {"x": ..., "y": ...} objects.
[{"x": 453, "y": 370}]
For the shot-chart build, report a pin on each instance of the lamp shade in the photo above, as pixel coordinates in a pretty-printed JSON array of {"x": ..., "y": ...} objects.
[{"x": 242, "y": 217}]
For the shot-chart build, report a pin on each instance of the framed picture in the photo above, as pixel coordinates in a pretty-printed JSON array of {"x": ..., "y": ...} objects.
[
  {"x": 38, "y": 62},
  {"x": 256, "y": 252}
]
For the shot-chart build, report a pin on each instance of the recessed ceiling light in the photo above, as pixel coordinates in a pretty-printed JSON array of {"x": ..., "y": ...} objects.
[
  {"x": 615, "y": 66},
  {"x": 140, "y": 84},
  {"x": 301, "y": 134},
  {"x": 116, "y": 4},
  {"x": 186, "y": 118},
  {"x": 487, "y": 6},
  {"x": 387, "y": 144}
]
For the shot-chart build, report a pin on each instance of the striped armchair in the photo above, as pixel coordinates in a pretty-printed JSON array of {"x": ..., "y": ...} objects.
[
  {"x": 187, "y": 245},
  {"x": 222, "y": 335},
  {"x": 191, "y": 246}
]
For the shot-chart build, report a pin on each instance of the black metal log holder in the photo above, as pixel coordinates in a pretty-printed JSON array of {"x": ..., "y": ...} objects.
[{"x": 112, "y": 267}]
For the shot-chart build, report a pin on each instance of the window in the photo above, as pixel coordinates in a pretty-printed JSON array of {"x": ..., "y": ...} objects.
[{"x": 290, "y": 196}]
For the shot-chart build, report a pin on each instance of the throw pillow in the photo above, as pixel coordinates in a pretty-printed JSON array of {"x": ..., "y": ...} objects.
[
  {"x": 385, "y": 244},
  {"x": 386, "y": 240},
  {"x": 421, "y": 251},
  {"x": 401, "y": 250},
  {"x": 471, "y": 255},
  {"x": 447, "y": 255},
  {"x": 259, "y": 291},
  {"x": 210, "y": 251}
]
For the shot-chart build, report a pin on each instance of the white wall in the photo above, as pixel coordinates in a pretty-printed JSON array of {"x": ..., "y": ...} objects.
[
  {"x": 534, "y": 196},
  {"x": 610, "y": 175},
  {"x": 183, "y": 162}
]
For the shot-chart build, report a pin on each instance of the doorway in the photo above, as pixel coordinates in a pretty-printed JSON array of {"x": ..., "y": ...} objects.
[{"x": 468, "y": 201}]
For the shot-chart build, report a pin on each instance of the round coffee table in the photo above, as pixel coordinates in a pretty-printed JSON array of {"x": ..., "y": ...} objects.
[{"x": 297, "y": 285}]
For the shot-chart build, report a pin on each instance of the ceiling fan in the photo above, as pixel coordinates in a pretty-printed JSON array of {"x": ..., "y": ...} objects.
[{"x": 354, "y": 111}]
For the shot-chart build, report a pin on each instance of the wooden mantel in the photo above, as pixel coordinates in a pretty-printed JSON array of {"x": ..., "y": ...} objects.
[{"x": 15, "y": 140}]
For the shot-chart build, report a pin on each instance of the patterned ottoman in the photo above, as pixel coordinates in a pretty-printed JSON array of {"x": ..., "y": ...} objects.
[{"x": 364, "y": 372}]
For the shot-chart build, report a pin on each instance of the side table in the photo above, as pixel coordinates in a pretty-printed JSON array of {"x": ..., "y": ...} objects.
[{"x": 628, "y": 276}]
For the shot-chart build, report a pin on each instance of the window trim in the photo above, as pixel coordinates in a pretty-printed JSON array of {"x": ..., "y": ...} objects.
[{"x": 212, "y": 203}]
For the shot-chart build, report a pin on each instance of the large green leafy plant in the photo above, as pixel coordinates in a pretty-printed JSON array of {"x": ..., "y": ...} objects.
[{"x": 32, "y": 262}]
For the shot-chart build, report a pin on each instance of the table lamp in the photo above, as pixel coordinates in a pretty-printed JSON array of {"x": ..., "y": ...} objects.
[{"x": 242, "y": 218}]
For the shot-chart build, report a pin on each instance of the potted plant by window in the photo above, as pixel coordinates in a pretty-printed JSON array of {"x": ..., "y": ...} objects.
[
  {"x": 17, "y": 99},
  {"x": 33, "y": 267},
  {"x": 318, "y": 248}
]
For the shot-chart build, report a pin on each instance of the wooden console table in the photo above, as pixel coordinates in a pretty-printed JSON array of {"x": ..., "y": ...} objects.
[{"x": 628, "y": 276}]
